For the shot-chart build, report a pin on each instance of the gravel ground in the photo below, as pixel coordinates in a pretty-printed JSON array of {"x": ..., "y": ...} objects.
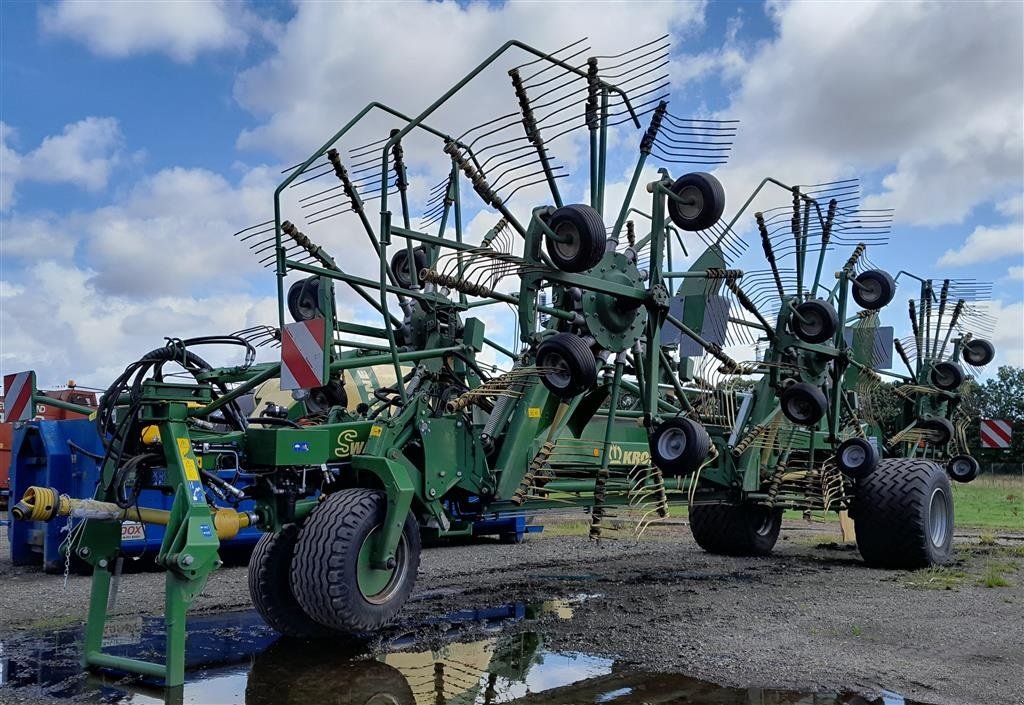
[{"x": 810, "y": 617}]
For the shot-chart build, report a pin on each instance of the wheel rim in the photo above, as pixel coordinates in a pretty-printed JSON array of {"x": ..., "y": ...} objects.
[
  {"x": 568, "y": 243},
  {"x": 559, "y": 375},
  {"x": 812, "y": 324},
  {"x": 376, "y": 585},
  {"x": 870, "y": 291},
  {"x": 692, "y": 202},
  {"x": 853, "y": 456},
  {"x": 938, "y": 522},
  {"x": 672, "y": 443},
  {"x": 765, "y": 527},
  {"x": 800, "y": 409},
  {"x": 962, "y": 468}
]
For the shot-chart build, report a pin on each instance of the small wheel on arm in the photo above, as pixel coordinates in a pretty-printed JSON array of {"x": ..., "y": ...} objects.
[
  {"x": 304, "y": 299},
  {"x": 874, "y": 289},
  {"x": 856, "y": 458},
  {"x": 332, "y": 577},
  {"x": 568, "y": 364},
  {"x": 802, "y": 403},
  {"x": 270, "y": 590},
  {"x": 903, "y": 514},
  {"x": 962, "y": 468},
  {"x": 940, "y": 431},
  {"x": 679, "y": 445},
  {"x": 581, "y": 238},
  {"x": 735, "y": 530},
  {"x": 947, "y": 376},
  {"x": 700, "y": 201},
  {"x": 400, "y": 265},
  {"x": 978, "y": 352},
  {"x": 814, "y": 321}
]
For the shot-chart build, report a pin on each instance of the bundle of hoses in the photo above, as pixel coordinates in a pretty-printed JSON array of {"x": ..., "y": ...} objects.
[{"x": 119, "y": 407}]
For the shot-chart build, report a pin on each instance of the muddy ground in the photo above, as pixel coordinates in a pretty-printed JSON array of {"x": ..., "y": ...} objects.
[{"x": 811, "y": 617}]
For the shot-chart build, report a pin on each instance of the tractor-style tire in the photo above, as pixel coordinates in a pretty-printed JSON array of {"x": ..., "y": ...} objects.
[
  {"x": 705, "y": 201},
  {"x": 571, "y": 365},
  {"x": 874, "y": 289},
  {"x": 270, "y": 590},
  {"x": 735, "y": 530},
  {"x": 330, "y": 576},
  {"x": 585, "y": 239},
  {"x": 679, "y": 445},
  {"x": 903, "y": 515},
  {"x": 814, "y": 321},
  {"x": 978, "y": 352}
]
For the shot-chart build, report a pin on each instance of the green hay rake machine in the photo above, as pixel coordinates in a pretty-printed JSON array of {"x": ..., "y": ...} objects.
[{"x": 618, "y": 391}]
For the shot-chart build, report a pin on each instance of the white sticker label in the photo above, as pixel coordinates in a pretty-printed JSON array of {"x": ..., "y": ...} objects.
[{"x": 132, "y": 531}]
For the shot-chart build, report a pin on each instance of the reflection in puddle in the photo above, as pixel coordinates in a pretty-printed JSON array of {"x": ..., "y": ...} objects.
[{"x": 235, "y": 658}]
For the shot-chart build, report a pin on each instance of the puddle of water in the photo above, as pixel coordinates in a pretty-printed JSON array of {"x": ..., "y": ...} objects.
[{"x": 235, "y": 658}]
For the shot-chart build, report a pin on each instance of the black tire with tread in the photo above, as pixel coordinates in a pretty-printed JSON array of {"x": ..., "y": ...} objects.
[
  {"x": 735, "y": 530},
  {"x": 890, "y": 514},
  {"x": 324, "y": 572},
  {"x": 270, "y": 590}
]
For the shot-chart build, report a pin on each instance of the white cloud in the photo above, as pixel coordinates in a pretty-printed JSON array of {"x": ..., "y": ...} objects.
[
  {"x": 83, "y": 154},
  {"x": 1013, "y": 206},
  {"x": 334, "y": 58},
  {"x": 170, "y": 234},
  {"x": 1008, "y": 333},
  {"x": 57, "y": 322},
  {"x": 988, "y": 243},
  {"x": 1015, "y": 274},
  {"x": 182, "y": 30},
  {"x": 847, "y": 88}
]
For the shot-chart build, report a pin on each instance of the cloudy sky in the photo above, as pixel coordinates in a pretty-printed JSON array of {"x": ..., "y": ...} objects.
[{"x": 135, "y": 138}]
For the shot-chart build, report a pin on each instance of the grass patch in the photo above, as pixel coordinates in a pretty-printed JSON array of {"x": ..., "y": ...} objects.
[
  {"x": 994, "y": 578},
  {"x": 995, "y": 502},
  {"x": 987, "y": 539},
  {"x": 935, "y": 578},
  {"x": 856, "y": 630},
  {"x": 554, "y": 529}
]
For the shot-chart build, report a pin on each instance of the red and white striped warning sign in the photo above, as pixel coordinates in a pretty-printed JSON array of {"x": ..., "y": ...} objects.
[
  {"x": 18, "y": 396},
  {"x": 302, "y": 354},
  {"x": 995, "y": 433}
]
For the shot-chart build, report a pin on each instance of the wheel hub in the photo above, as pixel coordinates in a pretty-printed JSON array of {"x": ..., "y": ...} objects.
[{"x": 378, "y": 585}]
